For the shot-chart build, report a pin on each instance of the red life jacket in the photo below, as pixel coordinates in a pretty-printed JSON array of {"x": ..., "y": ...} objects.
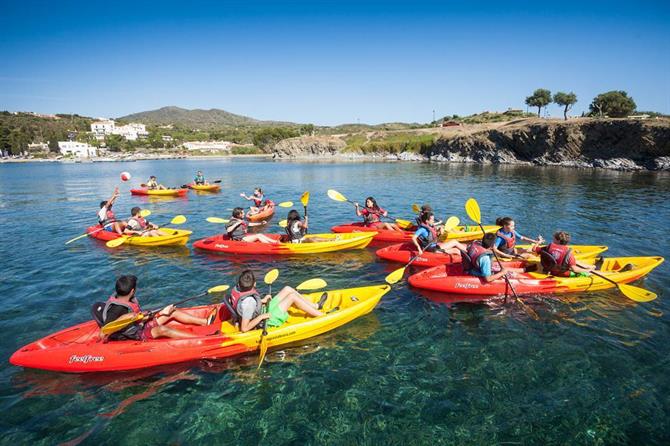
[
  {"x": 239, "y": 232},
  {"x": 432, "y": 236},
  {"x": 372, "y": 215},
  {"x": 139, "y": 219},
  {"x": 510, "y": 242},
  {"x": 471, "y": 258},
  {"x": 269, "y": 202},
  {"x": 555, "y": 259},
  {"x": 237, "y": 295},
  {"x": 258, "y": 201}
]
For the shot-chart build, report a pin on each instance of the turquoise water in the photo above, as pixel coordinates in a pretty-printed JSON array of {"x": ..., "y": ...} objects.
[{"x": 592, "y": 370}]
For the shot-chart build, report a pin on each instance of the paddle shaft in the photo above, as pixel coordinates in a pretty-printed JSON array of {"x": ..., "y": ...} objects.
[
  {"x": 509, "y": 284},
  {"x": 89, "y": 233}
]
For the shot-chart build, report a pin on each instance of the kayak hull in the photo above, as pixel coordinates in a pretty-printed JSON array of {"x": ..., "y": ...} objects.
[
  {"x": 263, "y": 215},
  {"x": 205, "y": 187},
  {"x": 172, "y": 237},
  {"x": 160, "y": 193},
  {"x": 443, "y": 278},
  {"x": 222, "y": 244},
  {"x": 78, "y": 349},
  {"x": 462, "y": 233},
  {"x": 403, "y": 252}
]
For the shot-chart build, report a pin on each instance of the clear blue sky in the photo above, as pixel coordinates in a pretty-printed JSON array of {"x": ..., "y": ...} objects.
[{"x": 328, "y": 62}]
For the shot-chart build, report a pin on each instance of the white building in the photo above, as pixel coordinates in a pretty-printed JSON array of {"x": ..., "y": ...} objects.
[
  {"x": 106, "y": 127},
  {"x": 78, "y": 149},
  {"x": 208, "y": 145}
]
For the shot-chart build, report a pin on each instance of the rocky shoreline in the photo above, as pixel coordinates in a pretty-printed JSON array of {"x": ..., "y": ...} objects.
[{"x": 620, "y": 144}]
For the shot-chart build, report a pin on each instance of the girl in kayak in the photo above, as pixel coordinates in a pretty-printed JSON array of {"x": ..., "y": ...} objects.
[
  {"x": 199, "y": 179},
  {"x": 249, "y": 305},
  {"x": 372, "y": 215},
  {"x": 506, "y": 238},
  {"x": 559, "y": 260},
  {"x": 124, "y": 305},
  {"x": 296, "y": 229},
  {"x": 152, "y": 184},
  {"x": 257, "y": 198},
  {"x": 424, "y": 209},
  {"x": 427, "y": 236},
  {"x": 266, "y": 206},
  {"x": 106, "y": 217},
  {"x": 138, "y": 226},
  {"x": 237, "y": 230}
]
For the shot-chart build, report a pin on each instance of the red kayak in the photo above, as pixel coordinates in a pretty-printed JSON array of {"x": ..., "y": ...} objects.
[
  {"x": 383, "y": 235},
  {"x": 403, "y": 252}
]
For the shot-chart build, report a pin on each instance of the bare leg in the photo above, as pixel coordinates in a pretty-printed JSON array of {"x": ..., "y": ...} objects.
[
  {"x": 289, "y": 297},
  {"x": 118, "y": 227},
  {"x": 167, "y": 332},
  {"x": 259, "y": 238},
  {"x": 183, "y": 317}
]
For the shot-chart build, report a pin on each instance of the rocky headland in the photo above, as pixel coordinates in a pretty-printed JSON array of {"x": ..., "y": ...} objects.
[{"x": 622, "y": 144}]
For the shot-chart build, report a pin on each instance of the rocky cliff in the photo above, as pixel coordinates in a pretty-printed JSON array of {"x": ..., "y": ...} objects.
[{"x": 608, "y": 143}]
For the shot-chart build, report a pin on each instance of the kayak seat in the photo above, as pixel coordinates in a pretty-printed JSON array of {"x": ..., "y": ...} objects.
[
  {"x": 96, "y": 312},
  {"x": 234, "y": 317}
]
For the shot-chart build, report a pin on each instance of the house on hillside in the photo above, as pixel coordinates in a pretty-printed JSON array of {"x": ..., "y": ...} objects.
[
  {"x": 131, "y": 132},
  {"x": 77, "y": 149}
]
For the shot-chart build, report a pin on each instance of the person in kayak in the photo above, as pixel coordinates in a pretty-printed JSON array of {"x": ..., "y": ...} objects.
[
  {"x": 138, "y": 226},
  {"x": 427, "y": 236},
  {"x": 153, "y": 184},
  {"x": 424, "y": 209},
  {"x": 257, "y": 198},
  {"x": 266, "y": 206},
  {"x": 248, "y": 304},
  {"x": 507, "y": 237},
  {"x": 237, "y": 228},
  {"x": 107, "y": 218},
  {"x": 558, "y": 259},
  {"x": 124, "y": 305},
  {"x": 296, "y": 229},
  {"x": 199, "y": 179},
  {"x": 372, "y": 215}
]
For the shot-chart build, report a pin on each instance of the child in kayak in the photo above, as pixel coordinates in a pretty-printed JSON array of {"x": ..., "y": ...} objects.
[
  {"x": 507, "y": 237},
  {"x": 558, "y": 259},
  {"x": 199, "y": 179},
  {"x": 249, "y": 305},
  {"x": 478, "y": 259},
  {"x": 106, "y": 217},
  {"x": 427, "y": 236},
  {"x": 266, "y": 206},
  {"x": 296, "y": 229},
  {"x": 372, "y": 215},
  {"x": 138, "y": 226},
  {"x": 237, "y": 230},
  {"x": 424, "y": 209},
  {"x": 124, "y": 305},
  {"x": 257, "y": 198},
  {"x": 153, "y": 184}
]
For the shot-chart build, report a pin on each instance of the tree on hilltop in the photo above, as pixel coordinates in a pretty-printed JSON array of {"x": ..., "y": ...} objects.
[
  {"x": 615, "y": 104},
  {"x": 540, "y": 98},
  {"x": 566, "y": 100}
]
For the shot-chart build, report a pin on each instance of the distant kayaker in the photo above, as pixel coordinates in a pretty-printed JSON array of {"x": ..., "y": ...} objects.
[
  {"x": 237, "y": 230},
  {"x": 138, "y": 226},
  {"x": 124, "y": 305},
  {"x": 106, "y": 216},
  {"x": 507, "y": 237},
  {"x": 153, "y": 184},
  {"x": 372, "y": 215},
  {"x": 248, "y": 304},
  {"x": 559, "y": 260},
  {"x": 199, "y": 179},
  {"x": 257, "y": 198},
  {"x": 427, "y": 236}
]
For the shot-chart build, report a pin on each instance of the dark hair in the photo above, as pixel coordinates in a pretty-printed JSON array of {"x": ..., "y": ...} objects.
[
  {"x": 134, "y": 211},
  {"x": 238, "y": 212},
  {"x": 259, "y": 190},
  {"x": 246, "y": 281},
  {"x": 488, "y": 240},
  {"x": 293, "y": 216},
  {"x": 375, "y": 206},
  {"x": 562, "y": 237},
  {"x": 425, "y": 216},
  {"x": 504, "y": 221},
  {"x": 103, "y": 203},
  {"x": 125, "y": 284},
  {"x": 426, "y": 208},
  {"x": 152, "y": 177}
]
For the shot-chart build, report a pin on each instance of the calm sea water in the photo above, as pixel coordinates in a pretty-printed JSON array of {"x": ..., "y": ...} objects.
[{"x": 593, "y": 370}]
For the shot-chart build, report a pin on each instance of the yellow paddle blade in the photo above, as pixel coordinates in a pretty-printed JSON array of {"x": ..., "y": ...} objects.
[
  {"x": 217, "y": 220},
  {"x": 263, "y": 350},
  {"x": 179, "y": 219},
  {"x": 304, "y": 198},
  {"x": 115, "y": 326},
  {"x": 144, "y": 213},
  {"x": 271, "y": 276},
  {"x": 395, "y": 276},
  {"x": 451, "y": 223},
  {"x": 283, "y": 223},
  {"x": 117, "y": 242},
  {"x": 218, "y": 289},
  {"x": 312, "y": 284},
  {"x": 636, "y": 293},
  {"x": 472, "y": 209},
  {"x": 416, "y": 208},
  {"x": 335, "y": 195},
  {"x": 285, "y": 204},
  {"x": 403, "y": 224}
]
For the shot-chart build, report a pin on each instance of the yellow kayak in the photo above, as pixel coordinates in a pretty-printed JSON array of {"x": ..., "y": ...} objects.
[
  {"x": 160, "y": 192},
  {"x": 205, "y": 187},
  {"x": 581, "y": 252},
  {"x": 335, "y": 242},
  {"x": 465, "y": 233},
  {"x": 341, "y": 307}
]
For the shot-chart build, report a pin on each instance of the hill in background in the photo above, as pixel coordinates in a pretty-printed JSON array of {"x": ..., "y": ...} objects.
[{"x": 197, "y": 118}]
